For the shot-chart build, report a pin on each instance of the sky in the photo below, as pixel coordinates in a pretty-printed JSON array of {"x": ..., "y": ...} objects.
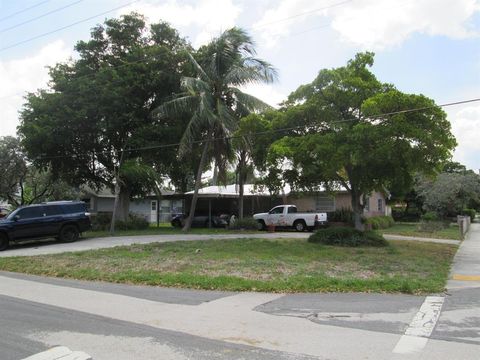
[{"x": 429, "y": 47}]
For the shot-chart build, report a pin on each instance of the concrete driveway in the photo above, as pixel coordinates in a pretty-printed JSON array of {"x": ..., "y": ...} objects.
[{"x": 54, "y": 247}]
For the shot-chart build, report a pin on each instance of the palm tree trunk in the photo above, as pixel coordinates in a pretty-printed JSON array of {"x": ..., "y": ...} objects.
[
  {"x": 241, "y": 176},
  {"x": 198, "y": 181}
]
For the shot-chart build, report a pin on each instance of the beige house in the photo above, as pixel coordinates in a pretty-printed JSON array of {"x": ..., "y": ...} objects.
[
  {"x": 258, "y": 199},
  {"x": 325, "y": 202}
]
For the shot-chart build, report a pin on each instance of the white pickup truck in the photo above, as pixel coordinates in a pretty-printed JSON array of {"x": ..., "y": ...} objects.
[{"x": 286, "y": 216}]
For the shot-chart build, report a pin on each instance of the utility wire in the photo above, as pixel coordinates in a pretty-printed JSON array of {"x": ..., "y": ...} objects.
[
  {"x": 66, "y": 27},
  {"x": 40, "y": 16},
  {"x": 300, "y": 14},
  {"x": 24, "y": 10},
  {"x": 163, "y": 146}
]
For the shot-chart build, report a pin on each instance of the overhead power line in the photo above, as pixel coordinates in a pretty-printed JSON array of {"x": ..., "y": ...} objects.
[
  {"x": 300, "y": 14},
  {"x": 67, "y": 26},
  {"x": 163, "y": 146},
  {"x": 40, "y": 16},
  {"x": 24, "y": 10}
]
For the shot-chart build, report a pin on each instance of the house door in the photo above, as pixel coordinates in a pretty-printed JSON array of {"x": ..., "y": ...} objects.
[{"x": 153, "y": 211}]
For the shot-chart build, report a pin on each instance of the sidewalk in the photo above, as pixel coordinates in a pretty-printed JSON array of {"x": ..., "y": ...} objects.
[{"x": 465, "y": 272}]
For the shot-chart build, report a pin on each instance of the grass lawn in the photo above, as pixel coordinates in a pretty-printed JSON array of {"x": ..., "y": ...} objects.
[
  {"x": 281, "y": 265},
  {"x": 410, "y": 229}
]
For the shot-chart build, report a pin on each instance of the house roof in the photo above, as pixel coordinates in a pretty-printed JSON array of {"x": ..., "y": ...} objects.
[
  {"x": 248, "y": 190},
  {"x": 233, "y": 191},
  {"x": 107, "y": 193}
]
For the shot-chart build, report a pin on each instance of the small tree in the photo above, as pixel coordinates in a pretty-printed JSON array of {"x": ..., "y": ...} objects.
[
  {"x": 449, "y": 193},
  {"x": 342, "y": 134}
]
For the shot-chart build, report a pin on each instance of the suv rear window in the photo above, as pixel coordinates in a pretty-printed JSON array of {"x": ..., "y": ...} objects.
[{"x": 74, "y": 208}]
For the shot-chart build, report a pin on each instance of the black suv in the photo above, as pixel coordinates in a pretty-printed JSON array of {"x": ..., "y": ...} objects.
[{"x": 64, "y": 220}]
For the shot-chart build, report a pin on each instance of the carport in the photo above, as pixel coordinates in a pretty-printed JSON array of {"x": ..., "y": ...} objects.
[{"x": 217, "y": 200}]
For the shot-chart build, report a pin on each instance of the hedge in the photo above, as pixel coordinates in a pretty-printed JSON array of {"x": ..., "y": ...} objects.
[{"x": 347, "y": 236}]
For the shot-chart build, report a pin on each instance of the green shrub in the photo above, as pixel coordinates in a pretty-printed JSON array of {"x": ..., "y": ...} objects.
[
  {"x": 412, "y": 214},
  {"x": 431, "y": 222},
  {"x": 380, "y": 222},
  {"x": 344, "y": 215},
  {"x": 134, "y": 222},
  {"x": 469, "y": 212},
  {"x": 430, "y": 216},
  {"x": 247, "y": 223},
  {"x": 101, "y": 221},
  {"x": 347, "y": 236},
  {"x": 432, "y": 226}
]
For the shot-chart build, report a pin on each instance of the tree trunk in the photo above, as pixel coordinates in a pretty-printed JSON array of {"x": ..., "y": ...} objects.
[
  {"x": 241, "y": 181},
  {"x": 115, "y": 205},
  {"x": 124, "y": 204},
  {"x": 357, "y": 209},
  {"x": 198, "y": 181}
]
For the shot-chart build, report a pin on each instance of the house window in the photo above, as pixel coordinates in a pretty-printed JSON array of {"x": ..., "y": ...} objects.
[
  {"x": 367, "y": 204},
  {"x": 325, "y": 203},
  {"x": 154, "y": 205},
  {"x": 380, "y": 205}
]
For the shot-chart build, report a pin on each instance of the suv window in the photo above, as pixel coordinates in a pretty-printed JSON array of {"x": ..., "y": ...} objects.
[
  {"x": 31, "y": 212},
  {"x": 74, "y": 208},
  {"x": 51, "y": 210}
]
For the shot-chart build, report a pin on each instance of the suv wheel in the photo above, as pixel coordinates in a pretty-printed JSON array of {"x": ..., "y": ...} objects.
[
  {"x": 3, "y": 242},
  {"x": 69, "y": 233}
]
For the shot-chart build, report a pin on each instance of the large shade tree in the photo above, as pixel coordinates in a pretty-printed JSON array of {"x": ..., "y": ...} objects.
[
  {"x": 353, "y": 131},
  {"x": 214, "y": 100},
  {"x": 86, "y": 126}
]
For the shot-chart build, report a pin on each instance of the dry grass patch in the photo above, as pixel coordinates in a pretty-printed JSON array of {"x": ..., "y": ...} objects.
[{"x": 281, "y": 265}]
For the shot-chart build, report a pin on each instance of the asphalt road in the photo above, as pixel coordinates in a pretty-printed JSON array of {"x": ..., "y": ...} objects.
[{"x": 113, "y": 321}]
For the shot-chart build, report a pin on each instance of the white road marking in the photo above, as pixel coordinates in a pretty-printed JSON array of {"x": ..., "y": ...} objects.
[
  {"x": 59, "y": 353},
  {"x": 417, "y": 334}
]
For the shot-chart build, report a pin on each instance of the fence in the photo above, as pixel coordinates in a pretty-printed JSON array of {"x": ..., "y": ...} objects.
[{"x": 464, "y": 224}]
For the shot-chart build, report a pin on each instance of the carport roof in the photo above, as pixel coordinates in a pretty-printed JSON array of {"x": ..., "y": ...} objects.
[{"x": 232, "y": 191}]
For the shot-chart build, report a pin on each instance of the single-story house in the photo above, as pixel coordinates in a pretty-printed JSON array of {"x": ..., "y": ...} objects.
[
  {"x": 224, "y": 199},
  {"x": 217, "y": 200},
  {"x": 150, "y": 207}
]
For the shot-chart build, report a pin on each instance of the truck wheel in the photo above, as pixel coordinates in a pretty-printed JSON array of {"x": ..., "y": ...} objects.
[
  {"x": 3, "y": 242},
  {"x": 299, "y": 225},
  {"x": 261, "y": 225},
  {"x": 68, "y": 233}
]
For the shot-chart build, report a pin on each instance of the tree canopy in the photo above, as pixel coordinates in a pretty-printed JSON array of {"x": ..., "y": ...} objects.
[
  {"x": 98, "y": 107},
  {"x": 353, "y": 131},
  {"x": 214, "y": 101}
]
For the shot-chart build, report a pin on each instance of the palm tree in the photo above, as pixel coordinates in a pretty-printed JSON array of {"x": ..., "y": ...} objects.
[{"x": 214, "y": 100}]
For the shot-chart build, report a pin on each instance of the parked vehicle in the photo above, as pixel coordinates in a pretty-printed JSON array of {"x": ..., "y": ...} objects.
[
  {"x": 64, "y": 220},
  {"x": 287, "y": 216},
  {"x": 221, "y": 221}
]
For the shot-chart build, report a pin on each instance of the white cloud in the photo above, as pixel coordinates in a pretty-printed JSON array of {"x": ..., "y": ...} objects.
[
  {"x": 373, "y": 24},
  {"x": 266, "y": 93},
  {"x": 376, "y": 24},
  {"x": 209, "y": 16},
  {"x": 466, "y": 128},
  {"x": 279, "y": 22},
  {"x": 24, "y": 75}
]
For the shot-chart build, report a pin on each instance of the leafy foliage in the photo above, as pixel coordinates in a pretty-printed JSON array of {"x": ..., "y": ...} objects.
[
  {"x": 347, "y": 236},
  {"x": 340, "y": 136},
  {"x": 98, "y": 107},
  {"x": 213, "y": 99},
  {"x": 247, "y": 223},
  {"x": 380, "y": 222},
  {"x": 449, "y": 193}
]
